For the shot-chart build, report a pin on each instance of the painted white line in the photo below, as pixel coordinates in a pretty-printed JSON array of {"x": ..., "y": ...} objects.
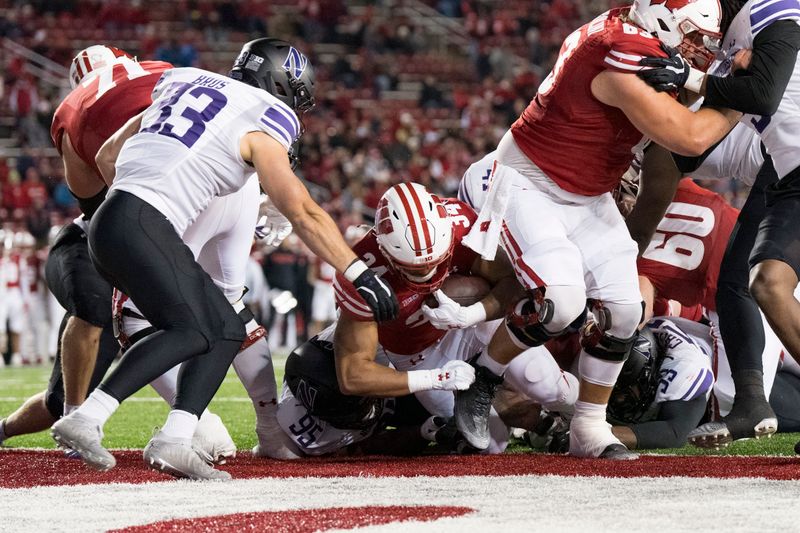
[{"x": 520, "y": 503}]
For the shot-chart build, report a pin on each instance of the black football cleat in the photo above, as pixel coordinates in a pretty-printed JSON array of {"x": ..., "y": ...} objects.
[
  {"x": 748, "y": 419},
  {"x": 473, "y": 405}
]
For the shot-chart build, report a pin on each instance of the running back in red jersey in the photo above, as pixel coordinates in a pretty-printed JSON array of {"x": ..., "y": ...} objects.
[
  {"x": 410, "y": 332},
  {"x": 103, "y": 103},
  {"x": 577, "y": 141},
  {"x": 683, "y": 259}
]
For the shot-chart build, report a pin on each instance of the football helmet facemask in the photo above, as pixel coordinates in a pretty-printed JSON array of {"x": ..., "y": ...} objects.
[{"x": 691, "y": 26}]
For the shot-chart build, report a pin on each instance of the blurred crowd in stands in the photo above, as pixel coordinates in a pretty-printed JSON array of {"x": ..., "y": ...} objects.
[{"x": 396, "y": 100}]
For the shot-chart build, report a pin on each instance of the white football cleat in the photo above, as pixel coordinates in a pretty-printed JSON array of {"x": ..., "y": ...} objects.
[
  {"x": 591, "y": 437},
  {"x": 273, "y": 442},
  {"x": 84, "y": 436},
  {"x": 212, "y": 441},
  {"x": 176, "y": 457}
]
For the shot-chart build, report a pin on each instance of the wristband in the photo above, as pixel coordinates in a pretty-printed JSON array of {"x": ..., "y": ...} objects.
[
  {"x": 695, "y": 80},
  {"x": 474, "y": 314},
  {"x": 356, "y": 268},
  {"x": 419, "y": 380}
]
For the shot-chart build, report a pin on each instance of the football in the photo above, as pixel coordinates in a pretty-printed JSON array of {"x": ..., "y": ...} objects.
[{"x": 465, "y": 290}]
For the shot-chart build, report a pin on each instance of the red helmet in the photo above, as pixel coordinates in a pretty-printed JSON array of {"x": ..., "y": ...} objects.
[
  {"x": 415, "y": 235},
  {"x": 93, "y": 58}
]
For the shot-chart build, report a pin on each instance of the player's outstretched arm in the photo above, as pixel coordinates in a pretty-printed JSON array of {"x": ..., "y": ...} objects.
[
  {"x": 106, "y": 157},
  {"x": 660, "y": 117},
  {"x": 658, "y": 182},
  {"x": 312, "y": 224},
  {"x": 355, "y": 344},
  {"x": 675, "y": 420}
]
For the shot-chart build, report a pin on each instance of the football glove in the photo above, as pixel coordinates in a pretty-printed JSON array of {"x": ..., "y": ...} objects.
[
  {"x": 451, "y": 315},
  {"x": 668, "y": 74},
  {"x": 377, "y": 294},
  {"x": 454, "y": 375},
  {"x": 272, "y": 227}
]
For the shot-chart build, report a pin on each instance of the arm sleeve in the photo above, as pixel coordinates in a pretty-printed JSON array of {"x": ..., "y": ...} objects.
[
  {"x": 687, "y": 164},
  {"x": 675, "y": 420},
  {"x": 760, "y": 89}
]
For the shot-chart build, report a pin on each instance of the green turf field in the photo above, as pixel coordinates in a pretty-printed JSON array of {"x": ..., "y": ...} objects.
[{"x": 133, "y": 425}]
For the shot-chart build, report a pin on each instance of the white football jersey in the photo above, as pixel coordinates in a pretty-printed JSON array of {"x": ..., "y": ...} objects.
[
  {"x": 475, "y": 182},
  {"x": 780, "y": 132},
  {"x": 187, "y": 150},
  {"x": 685, "y": 372}
]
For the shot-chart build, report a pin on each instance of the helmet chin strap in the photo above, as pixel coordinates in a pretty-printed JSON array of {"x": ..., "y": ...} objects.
[{"x": 421, "y": 279}]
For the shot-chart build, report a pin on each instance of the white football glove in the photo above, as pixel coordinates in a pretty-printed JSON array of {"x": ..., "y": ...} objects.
[
  {"x": 454, "y": 375},
  {"x": 272, "y": 227},
  {"x": 452, "y": 315}
]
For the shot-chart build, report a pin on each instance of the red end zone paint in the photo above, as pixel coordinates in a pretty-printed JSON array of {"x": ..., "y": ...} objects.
[
  {"x": 32, "y": 468},
  {"x": 302, "y": 520}
]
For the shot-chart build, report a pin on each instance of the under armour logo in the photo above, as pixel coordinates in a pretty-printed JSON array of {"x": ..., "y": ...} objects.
[
  {"x": 416, "y": 360},
  {"x": 295, "y": 62}
]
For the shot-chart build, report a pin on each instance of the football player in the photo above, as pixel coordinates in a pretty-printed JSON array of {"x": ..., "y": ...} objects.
[
  {"x": 201, "y": 138},
  {"x": 549, "y": 203},
  {"x": 220, "y": 241},
  {"x": 108, "y": 87},
  {"x": 762, "y": 39}
]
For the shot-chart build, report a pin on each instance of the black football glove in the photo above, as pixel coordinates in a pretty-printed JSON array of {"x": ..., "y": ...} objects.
[
  {"x": 668, "y": 74},
  {"x": 378, "y": 294}
]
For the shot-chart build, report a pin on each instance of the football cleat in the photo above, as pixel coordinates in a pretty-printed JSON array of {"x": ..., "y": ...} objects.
[
  {"x": 745, "y": 421},
  {"x": 472, "y": 407},
  {"x": 618, "y": 452},
  {"x": 177, "y": 458},
  {"x": 83, "y": 435},
  {"x": 212, "y": 441},
  {"x": 592, "y": 437},
  {"x": 273, "y": 442}
]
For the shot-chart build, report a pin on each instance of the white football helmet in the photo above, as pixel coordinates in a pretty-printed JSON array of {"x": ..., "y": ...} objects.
[
  {"x": 691, "y": 26},
  {"x": 415, "y": 235},
  {"x": 93, "y": 58}
]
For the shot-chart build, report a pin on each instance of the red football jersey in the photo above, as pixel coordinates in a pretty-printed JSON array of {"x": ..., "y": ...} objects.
[
  {"x": 91, "y": 113},
  {"x": 410, "y": 332},
  {"x": 577, "y": 141},
  {"x": 683, "y": 259}
]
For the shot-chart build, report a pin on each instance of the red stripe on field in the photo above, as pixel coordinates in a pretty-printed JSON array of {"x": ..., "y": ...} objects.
[
  {"x": 26, "y": 468},
  {"x": 303, "y": 520}
]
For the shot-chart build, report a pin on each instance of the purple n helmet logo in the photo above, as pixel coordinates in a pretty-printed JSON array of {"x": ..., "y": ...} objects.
[{"x": 295, "y": 62}]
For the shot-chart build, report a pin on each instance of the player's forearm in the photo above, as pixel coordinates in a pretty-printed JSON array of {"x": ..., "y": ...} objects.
[
  {"x": 106, "y": 157},
  {"x": 658, "y": 182},
  {"x": 319, "y": 232},
  {"x": 367, "y": 378},
  {"x": 625, "y": 435},
  {"x": 503, "y": 295}
]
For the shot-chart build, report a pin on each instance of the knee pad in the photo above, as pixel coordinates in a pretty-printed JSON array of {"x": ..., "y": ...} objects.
[
  {"x": 537, "y": 375},
  {"x": 539, "y": 318},
  {"x": 617, "y": 320}
]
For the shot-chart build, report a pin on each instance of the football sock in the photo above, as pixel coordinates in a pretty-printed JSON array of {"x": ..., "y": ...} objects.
[
  {"x": 99, "y": 406},
  {"x": 590, "y": 410},
  {"x": 180, "y": 425},
  {"x": 498, "y": 369}
]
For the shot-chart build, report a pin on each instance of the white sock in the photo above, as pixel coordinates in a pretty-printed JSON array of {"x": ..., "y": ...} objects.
[
  {"x": 590, "y": 410},
  {"x": 68, "y": 408},
  {"x": 99, "y": 406},
  {"x": 180, "y": 425},
  {"x": 498, "y": 369}
]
